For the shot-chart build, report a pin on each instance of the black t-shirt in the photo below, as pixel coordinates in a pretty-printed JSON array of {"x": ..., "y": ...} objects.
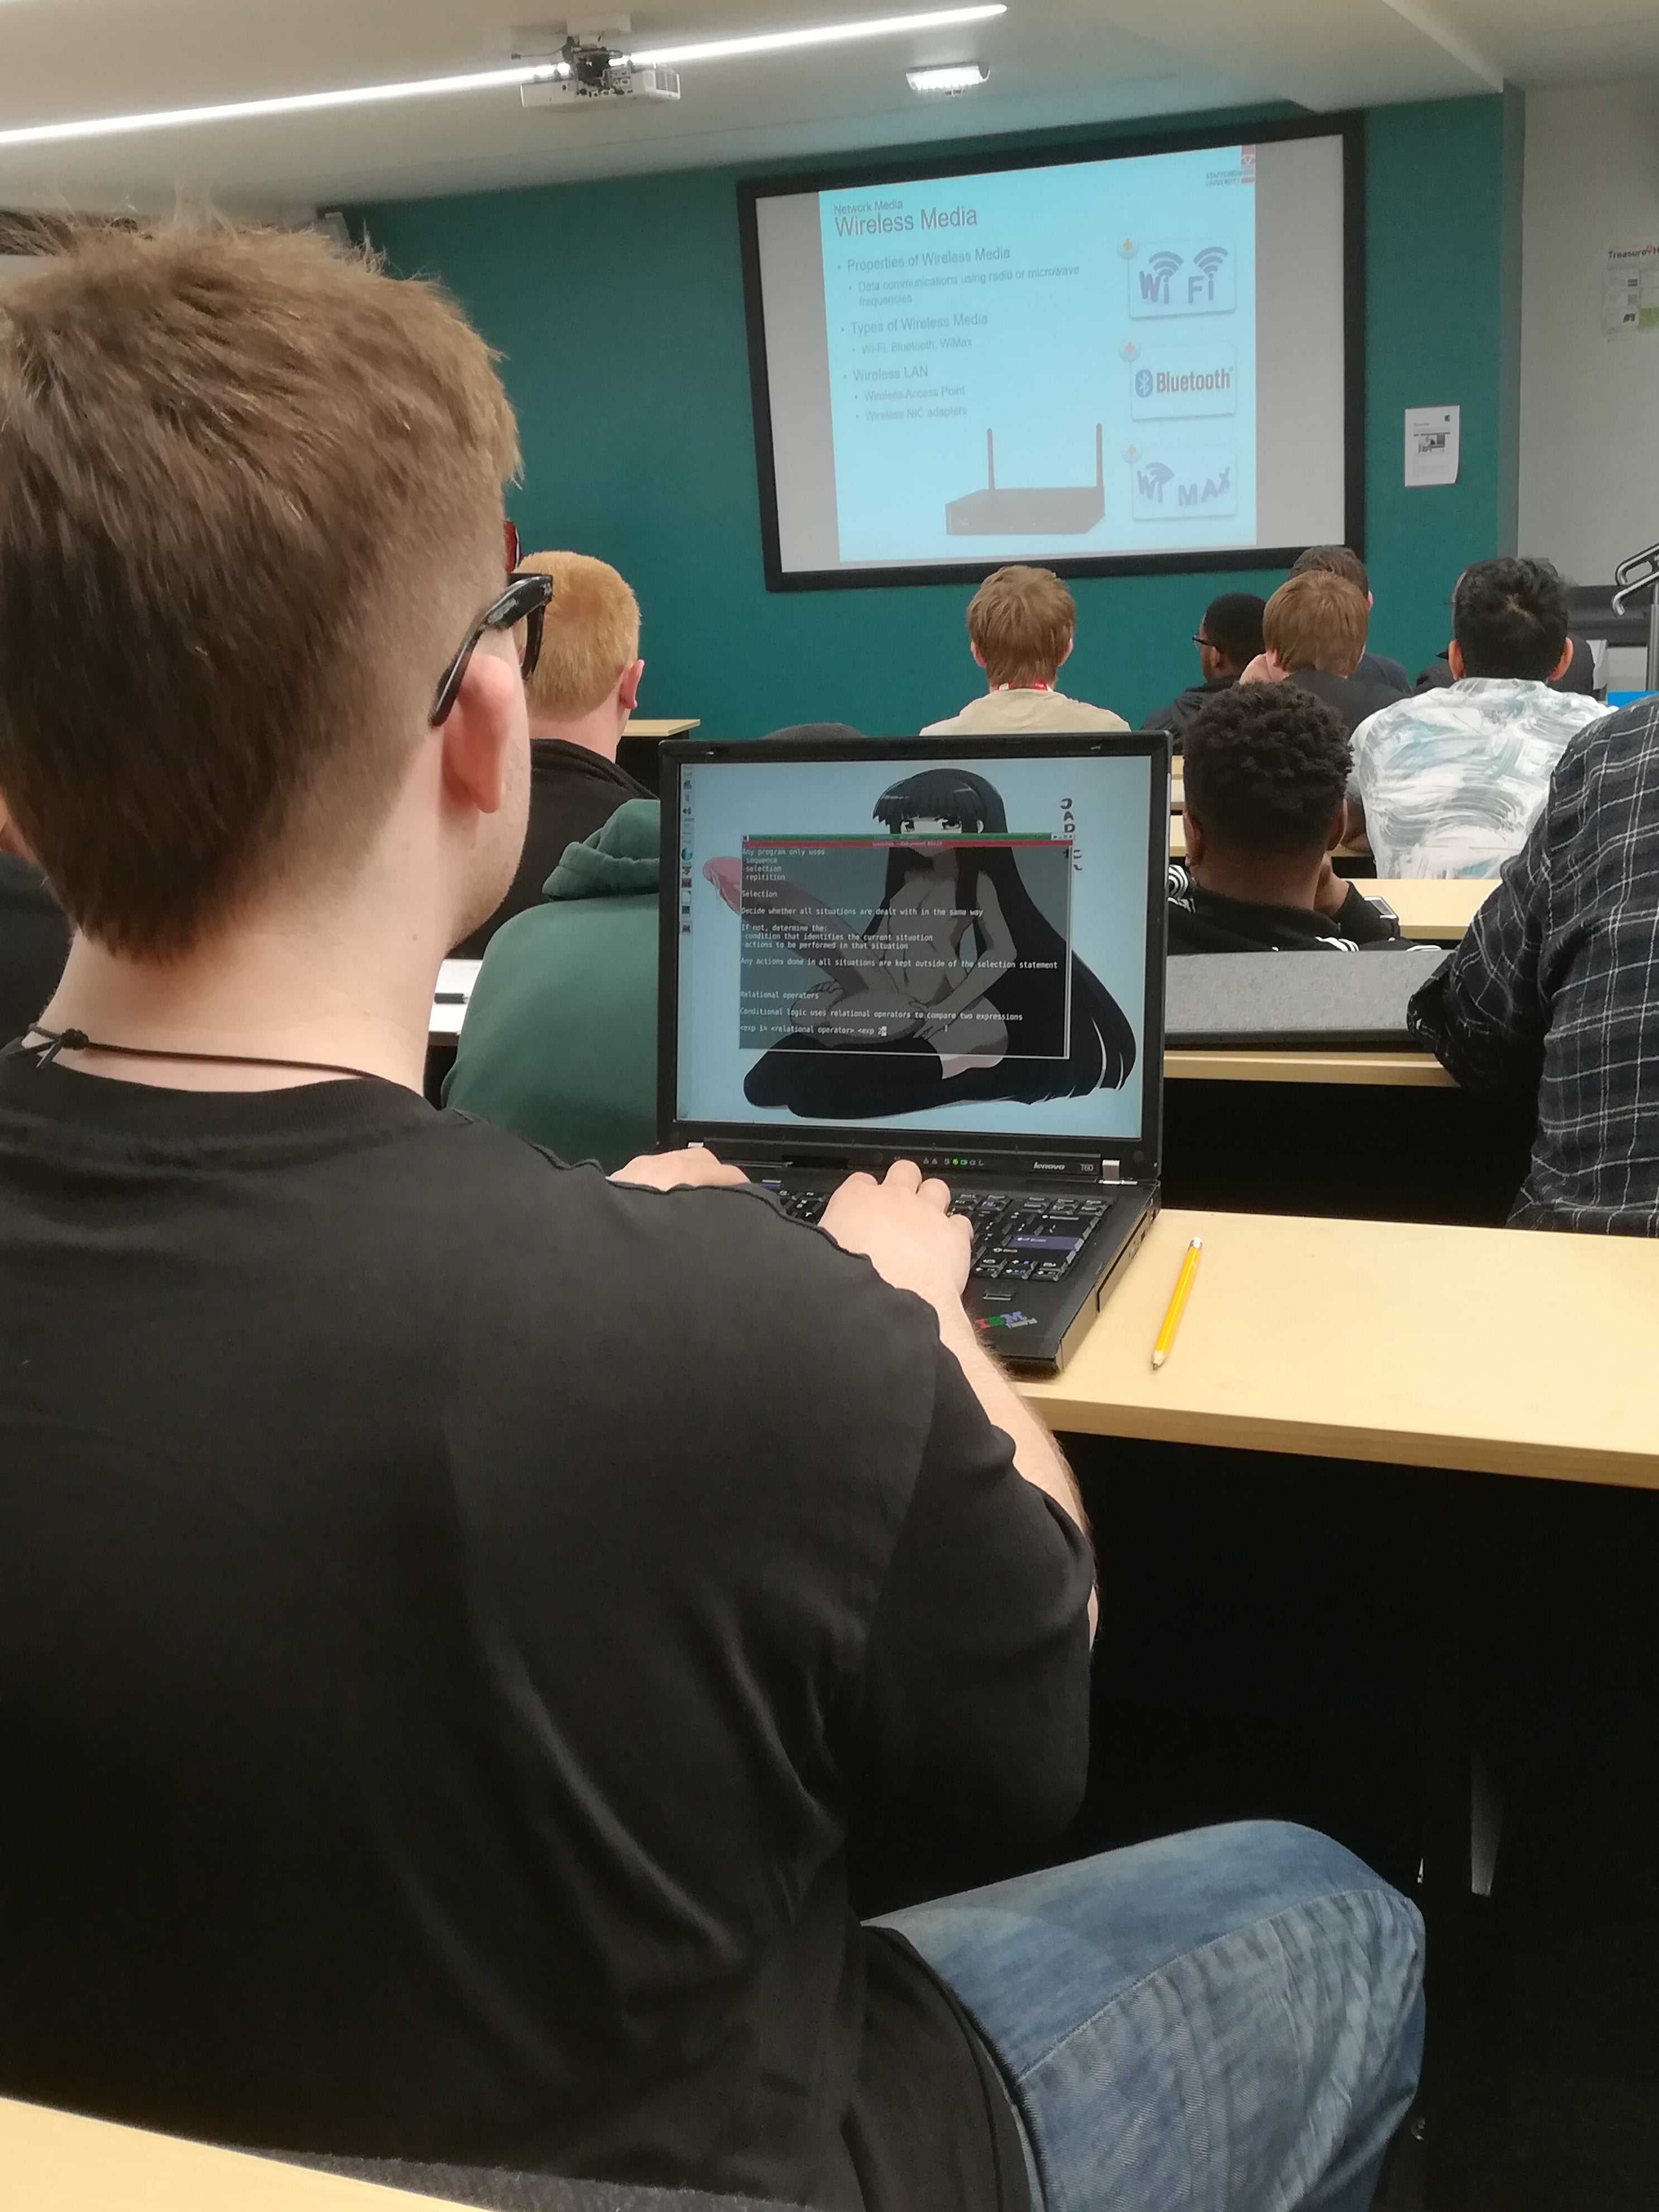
[
  {"x": 454, "y": 1613},
  {"x": 34, "y": 940},
  {"x": 1353, "y": 698},
  {"x": 574, "y": 790}
]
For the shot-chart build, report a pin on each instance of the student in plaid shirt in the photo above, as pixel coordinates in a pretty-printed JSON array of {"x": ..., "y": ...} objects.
[{"x": 1556, "y": 987}]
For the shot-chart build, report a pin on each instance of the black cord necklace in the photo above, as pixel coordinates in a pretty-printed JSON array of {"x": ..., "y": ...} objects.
[{"x": 57, "y": 1041}]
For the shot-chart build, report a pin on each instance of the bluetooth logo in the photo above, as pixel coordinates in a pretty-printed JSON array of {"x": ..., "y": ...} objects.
[{"x": 1143, "y": 384}]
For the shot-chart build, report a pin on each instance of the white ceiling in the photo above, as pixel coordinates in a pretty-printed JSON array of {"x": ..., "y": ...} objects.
[{"x": 1052, "y": 62}]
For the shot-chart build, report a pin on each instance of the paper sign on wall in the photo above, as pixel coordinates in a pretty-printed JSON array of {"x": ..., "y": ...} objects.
[
  {"x": 1630, "y": 290},
  {"x": 1432, "y": 436}
]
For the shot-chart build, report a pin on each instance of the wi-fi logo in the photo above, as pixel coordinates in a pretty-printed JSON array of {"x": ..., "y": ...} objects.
[
  {"x": 1210, "y": 258},
  {"x": 1152, "y": 479},
  {"x": 1155, "y": 276}
]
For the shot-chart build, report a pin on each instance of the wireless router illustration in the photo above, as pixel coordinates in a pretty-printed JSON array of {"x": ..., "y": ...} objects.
[{"x": 1050, "y": 511}]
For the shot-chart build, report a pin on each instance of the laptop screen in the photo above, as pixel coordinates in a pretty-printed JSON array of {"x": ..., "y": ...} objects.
[{"x": 896, "y": 941}]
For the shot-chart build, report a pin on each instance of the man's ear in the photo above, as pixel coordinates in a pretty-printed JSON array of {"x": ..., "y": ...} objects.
[
  {"x": 628, "y": 690},
  {"x": 979, "y": 657},
  {"x": 1067, "y": 656},
  {"x": 1194, "y": 834},
  {"x": 486, "y": 725},
  {"x": 1455, "y": 660},
  {"x": 1336, "y": 829},
  {"x": 1563, "y": 664}
]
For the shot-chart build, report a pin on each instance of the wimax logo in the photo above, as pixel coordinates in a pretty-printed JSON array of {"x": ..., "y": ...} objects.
[{"x": 1173, "y": 481}]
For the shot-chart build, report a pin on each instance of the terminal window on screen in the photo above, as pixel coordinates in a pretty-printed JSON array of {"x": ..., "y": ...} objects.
[{"x": 872, "y": 944}]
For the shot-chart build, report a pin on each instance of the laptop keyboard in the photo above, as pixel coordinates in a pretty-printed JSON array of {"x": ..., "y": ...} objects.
[{"x": 1020, "y": 1236}]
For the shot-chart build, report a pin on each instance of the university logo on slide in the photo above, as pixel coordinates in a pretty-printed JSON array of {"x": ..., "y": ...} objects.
[
  {"x": 1174, "y": 382},
  {"x": 1172, "y": 480},
  {"x": 1194, "y": 278}
]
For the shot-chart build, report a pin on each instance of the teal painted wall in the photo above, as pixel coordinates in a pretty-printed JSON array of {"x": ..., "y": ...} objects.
[{"x": 618, "y": 307}]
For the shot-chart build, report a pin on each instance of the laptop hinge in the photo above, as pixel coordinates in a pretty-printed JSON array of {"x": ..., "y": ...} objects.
[{"x": 1111, "y": 1171}]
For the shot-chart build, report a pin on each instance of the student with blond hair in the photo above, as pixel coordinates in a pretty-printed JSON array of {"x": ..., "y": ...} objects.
[
  {"x": 464, "y": 1619},
  {"x": 1021, "y": 626},
  {"x": 579, "y": 698},
  {"x": 1343, "y": 561},
  {"x": 1313, "y": 631}
]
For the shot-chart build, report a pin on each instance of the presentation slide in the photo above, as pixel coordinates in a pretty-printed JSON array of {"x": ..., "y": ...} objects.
[
  {"x": 1112, "y": 360},
  {"x": 958, "y": 947}
]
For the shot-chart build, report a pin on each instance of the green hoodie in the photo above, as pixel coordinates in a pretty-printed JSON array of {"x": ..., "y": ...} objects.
[{"x": 560, "y": 1040}]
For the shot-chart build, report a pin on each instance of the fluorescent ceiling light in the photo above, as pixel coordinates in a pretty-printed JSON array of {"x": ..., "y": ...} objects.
[
  {"x": 960, "y": 76},
  {"x": 522, "y": 73},
  {"x": 293, "y": 103},
  {"x": 828, "y": 34}
]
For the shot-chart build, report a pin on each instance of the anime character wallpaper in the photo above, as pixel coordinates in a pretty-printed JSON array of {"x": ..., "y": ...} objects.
[{"x": 954, "y": 990}]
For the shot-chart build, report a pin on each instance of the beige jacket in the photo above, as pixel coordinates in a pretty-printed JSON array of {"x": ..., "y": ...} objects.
[{"x": 997, "y": 713}]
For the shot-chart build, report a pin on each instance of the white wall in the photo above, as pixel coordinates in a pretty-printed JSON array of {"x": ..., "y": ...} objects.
[{"x": 1589, "y": 404}]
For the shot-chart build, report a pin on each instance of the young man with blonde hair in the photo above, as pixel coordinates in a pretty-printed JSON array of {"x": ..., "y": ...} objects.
[
  {"x": 579, "y": 696},
  {"x": 1343, "y": 561},
  {"x": 1021, "y": 626},
  {"x": 459, "y": 1614},
  {"x": 1314, "y": 632}
]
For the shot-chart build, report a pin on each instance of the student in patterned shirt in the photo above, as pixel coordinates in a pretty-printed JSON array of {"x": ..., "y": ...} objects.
[
  {"x": 1448, "y": 782},
  {"x": 1554, "y": 992}
]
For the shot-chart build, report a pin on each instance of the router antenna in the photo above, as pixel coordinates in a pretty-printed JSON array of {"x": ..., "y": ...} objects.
[
  {"x": 990, "y": 461},
  {"x": 1100, "y": 458}
]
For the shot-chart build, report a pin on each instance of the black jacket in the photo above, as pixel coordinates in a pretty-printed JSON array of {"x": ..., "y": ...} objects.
[
  {"x": 1174, "y": 718},
  {"x": 1203, "y": 921},
  {"x": 573, "y": 792},
  {"x": 1377, "y": 668}
]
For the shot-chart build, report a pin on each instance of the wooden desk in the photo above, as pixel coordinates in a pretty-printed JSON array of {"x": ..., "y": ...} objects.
[
  {"x": 1377, "y": 1340},
  {"x": 59, "y": 2162},
  {"x": 1418, "y": 1071},
  {"x": 643, "y": 727},
  {"x": 1432, "y": 909}
]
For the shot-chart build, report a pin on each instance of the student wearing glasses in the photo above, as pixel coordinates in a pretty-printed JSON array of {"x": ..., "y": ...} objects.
[
  {"x": 463, "y": 1618},
  {"x": 1227, "y": 640}
]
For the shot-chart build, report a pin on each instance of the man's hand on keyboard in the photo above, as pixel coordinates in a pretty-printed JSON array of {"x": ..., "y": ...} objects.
[
  {"x": 678, "y": 1171},
  {"x": 903, "y": 1228}
]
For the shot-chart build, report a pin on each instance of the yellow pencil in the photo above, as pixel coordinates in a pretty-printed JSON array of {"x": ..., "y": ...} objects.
[{"x": 1166, "y": 1335}]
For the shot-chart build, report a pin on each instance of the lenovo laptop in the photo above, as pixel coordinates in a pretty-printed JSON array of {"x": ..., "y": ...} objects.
[{"x": 949, "y": 950}]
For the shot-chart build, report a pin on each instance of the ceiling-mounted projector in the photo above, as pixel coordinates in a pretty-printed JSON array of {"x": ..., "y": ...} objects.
[{"x": 590, "y": 62}]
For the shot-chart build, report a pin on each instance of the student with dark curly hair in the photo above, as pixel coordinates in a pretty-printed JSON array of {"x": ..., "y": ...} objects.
[{"x": 1266, "y": 768}]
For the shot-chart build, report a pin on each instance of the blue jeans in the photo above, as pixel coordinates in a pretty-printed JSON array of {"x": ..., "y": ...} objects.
[{"x": 1229, "y": 2022}]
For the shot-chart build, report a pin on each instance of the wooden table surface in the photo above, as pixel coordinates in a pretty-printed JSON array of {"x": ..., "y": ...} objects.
[
  {"x": 1431, "y": 907},
  {"x": 644, "y": 727},
  {"x": 57, "y": 2162},
  {"x": 1503, "y": 1352},
  {"x": 1416, "y": 1070}
]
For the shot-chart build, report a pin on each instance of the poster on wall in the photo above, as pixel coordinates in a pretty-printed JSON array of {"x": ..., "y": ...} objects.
[
  {"x": 1433, "y": 435},
  {"x": 1630, "y": 290}
]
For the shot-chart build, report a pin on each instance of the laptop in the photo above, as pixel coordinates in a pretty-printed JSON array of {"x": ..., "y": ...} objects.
[{"x": 945, "y": 950}]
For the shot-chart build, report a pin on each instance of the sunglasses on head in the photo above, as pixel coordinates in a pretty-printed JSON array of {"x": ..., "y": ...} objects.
[{"x": 525, "y": 600}]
